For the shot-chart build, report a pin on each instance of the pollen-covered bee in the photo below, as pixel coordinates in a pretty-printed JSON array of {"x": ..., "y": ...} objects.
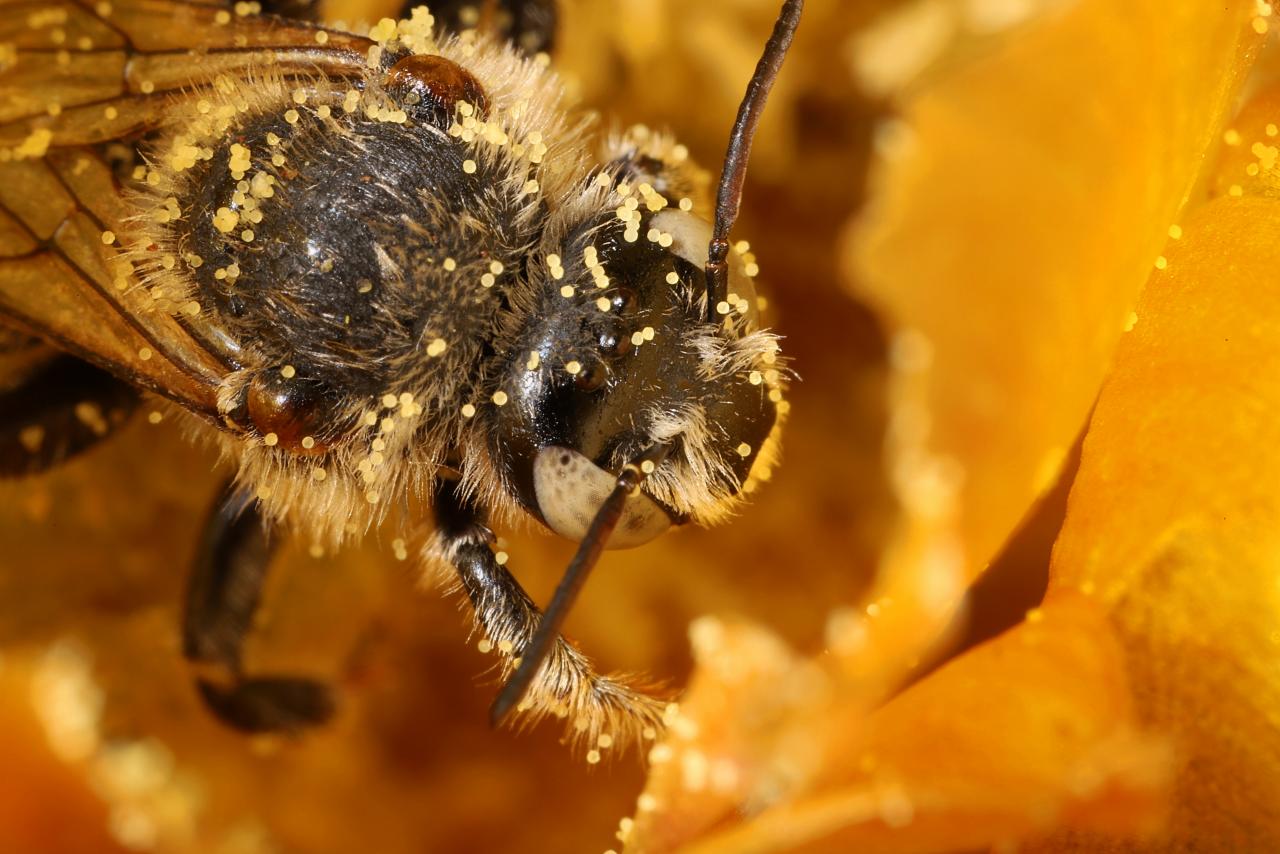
[{"x": 376, "y": 268}]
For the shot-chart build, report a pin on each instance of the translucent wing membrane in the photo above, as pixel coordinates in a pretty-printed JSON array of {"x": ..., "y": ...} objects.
[
  {"x": 75, "y": 76},
  {"x": 134, "y": 55}
]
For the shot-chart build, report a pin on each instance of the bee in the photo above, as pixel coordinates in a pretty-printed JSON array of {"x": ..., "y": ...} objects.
[{"x": 378, "y": 272}]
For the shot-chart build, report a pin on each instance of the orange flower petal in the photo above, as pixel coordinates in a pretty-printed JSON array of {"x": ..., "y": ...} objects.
[
  {"x": 1249, "y": 161},
  {"x": 1021, "y": 204},
  {"x": 1174, "y": 520},
  {"x": 1028, "y": 733}
]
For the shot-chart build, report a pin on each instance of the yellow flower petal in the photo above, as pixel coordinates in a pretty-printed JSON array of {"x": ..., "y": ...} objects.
[
  {"x": 1174, "y": 519},
  {"x": 1022, "y": 201}
]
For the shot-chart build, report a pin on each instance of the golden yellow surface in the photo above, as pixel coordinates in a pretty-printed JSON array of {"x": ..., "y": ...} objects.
[
  {"x": 1174, "y": 522},
  {"x": 953, "y": 319}
]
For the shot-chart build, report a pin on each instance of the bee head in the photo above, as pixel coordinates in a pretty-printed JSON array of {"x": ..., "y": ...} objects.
[
  {"x": 618, "y": 357},
  {"x": 676, "y": 391}
]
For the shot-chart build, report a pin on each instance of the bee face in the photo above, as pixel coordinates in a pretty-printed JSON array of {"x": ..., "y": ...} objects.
[{"x": 615, "y": 356}]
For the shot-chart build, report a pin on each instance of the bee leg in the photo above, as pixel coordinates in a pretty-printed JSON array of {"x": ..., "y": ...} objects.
[
  {"x": 567, "y": 686},
  {"x": 530, "y": 25},
  {"x": 60, "y": 407},
  {"x": 222, "y": 598}
]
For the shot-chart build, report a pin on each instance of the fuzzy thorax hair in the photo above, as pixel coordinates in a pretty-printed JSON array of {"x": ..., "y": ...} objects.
[{"x": 386, "y": 264}]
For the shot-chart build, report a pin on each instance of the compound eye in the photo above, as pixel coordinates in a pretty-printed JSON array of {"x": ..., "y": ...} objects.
[{"x": 433, "y": 86}]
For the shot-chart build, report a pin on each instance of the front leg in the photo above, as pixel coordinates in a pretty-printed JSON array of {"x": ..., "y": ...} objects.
[
  {"x": 222, "y": 598},
  {"x": 599, "y": 708}
]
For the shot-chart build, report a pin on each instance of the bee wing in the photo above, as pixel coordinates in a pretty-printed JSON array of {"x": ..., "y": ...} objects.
[{"x": 73, "y": 77}]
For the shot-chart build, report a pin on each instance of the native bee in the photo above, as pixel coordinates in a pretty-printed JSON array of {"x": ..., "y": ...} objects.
[{"x": 372, "y": 268}]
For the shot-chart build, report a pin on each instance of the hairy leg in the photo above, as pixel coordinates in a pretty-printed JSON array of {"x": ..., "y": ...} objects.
[{"x": 566, "y": 686}]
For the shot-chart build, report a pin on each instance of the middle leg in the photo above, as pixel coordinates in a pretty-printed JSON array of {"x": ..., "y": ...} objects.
[{"x": 222, "y": 599}]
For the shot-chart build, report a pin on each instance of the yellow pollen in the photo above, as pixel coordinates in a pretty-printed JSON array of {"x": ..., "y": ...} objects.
[
  {"x": 469, "y": 166},
  {"x": 468, "y": 411},
  {"x": 499, "y": 398},
  {"x": 573, "y": 366},
  {"x": 436, "y": 347},
  {"x": 308, "y": 442},
  {"x": 288, "y": 372},
  {"x": 270, "y": 440},
  {"x": 225, "y": 220},
  {"x": 744, "y": 450},
  {"x": 108, "y": 237}
]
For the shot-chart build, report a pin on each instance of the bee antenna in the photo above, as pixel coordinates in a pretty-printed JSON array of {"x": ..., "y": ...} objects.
[
  {"x": 734, "y": 173},
  {"x": 606, "y": 519}
]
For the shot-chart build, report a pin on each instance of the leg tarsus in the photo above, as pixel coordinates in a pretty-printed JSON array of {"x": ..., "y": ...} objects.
[
  {"x": 222, "y": 598},
  {"x": 268, "y": 704},
  {"x": 567, "y": 686}
]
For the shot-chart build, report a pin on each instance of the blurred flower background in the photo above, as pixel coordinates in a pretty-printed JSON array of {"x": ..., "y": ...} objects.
[{"x": 1016, "y": 585}]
